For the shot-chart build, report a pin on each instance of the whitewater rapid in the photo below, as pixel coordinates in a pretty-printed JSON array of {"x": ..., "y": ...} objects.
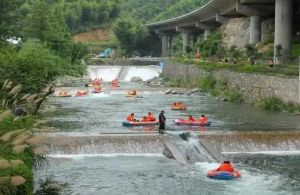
[{"x": 123, "y": 73}]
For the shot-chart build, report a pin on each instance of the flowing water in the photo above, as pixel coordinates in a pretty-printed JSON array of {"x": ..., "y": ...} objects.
[{"x": 92, "y": 165}]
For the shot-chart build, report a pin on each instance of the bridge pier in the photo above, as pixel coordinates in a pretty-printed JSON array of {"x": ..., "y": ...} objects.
[
  {"x": 164, "y": 45},
  {"x": 206, "y": 33},
  {"x": 185, "y": 41},
  {"x": 255, "y": 29},
  {"x": 283, "y": 30}
]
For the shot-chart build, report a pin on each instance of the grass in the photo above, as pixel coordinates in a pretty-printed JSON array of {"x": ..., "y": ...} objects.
[
  {"x": 235, "y": 97},
  {"x": 9, "y": 124},
  {"x": 24, "y": 170},
  {"x": 244, "y": 67},
  {"x": 7, "y": 153},
  {"x": 277, "y": 105}
]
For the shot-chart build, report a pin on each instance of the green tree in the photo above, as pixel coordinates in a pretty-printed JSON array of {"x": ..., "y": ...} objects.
[
  {"x": 8, "y": 18},
  {"x": 34, "y": 66}
]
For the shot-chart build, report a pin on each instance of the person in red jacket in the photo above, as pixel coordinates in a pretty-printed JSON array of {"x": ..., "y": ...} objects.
[
  {"x": 191, "y": 119},
  {"x": 144, "y": 119},
  {"x": 150, "y": 117},
  {"x": 131, "y": 117},
  {"x": 226, "y": 166},
  {"x": 203, "y": 119}
]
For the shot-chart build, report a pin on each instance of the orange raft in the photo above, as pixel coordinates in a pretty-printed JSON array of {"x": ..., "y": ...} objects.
[
  {"x": 81, "y": 93},
  {"x": 179, "y": 107}
]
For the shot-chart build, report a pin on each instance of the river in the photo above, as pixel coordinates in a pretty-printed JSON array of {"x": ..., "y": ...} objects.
[{"x": 102, "y": 169}]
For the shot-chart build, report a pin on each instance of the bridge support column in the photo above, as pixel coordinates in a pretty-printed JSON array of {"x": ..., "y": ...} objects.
[
  {"x": 206, "y": 33},
  {"x": 165, "y": 45},
  {"x": 185, "y": 40},
  {"x": 255, "y": 29},
  {"x": 283, "y": 30}
]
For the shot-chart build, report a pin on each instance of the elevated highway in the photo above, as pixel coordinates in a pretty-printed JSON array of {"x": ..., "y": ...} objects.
[{"x": 217, "y": 12}]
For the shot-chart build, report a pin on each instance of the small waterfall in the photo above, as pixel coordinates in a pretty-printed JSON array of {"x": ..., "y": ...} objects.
[
  {"x": 144, "y": 72},
  {"x": 196, "y": 152},
  {"x": 104, "y": 145},
  {"x": 192, "y": 149},
  {"x": 123, "y": 73},
  {"x": 255, "y": 142},
  {"x": 107, "y": 73}
]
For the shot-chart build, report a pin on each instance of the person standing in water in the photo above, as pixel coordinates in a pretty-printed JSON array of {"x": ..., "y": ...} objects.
[{"x": 162, "y": 122}]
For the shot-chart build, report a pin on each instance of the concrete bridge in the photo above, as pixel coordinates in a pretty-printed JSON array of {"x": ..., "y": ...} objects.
[{"x": 217, "y": 12}]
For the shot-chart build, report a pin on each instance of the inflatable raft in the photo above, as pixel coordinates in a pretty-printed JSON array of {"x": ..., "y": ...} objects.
[
  {"x": 94, "y": 91},
  {"x": 63, "y": 96},
  {"x": 196, "y": 123},
  {"x": 223, "y": 175},
  {"x": 81, "y": 93},
  {"x": 134, "y": 96},
  {"x": 178, "y": 108},
  {"x": 137, "y": 123},
  {"x": 114, "y": 86}
]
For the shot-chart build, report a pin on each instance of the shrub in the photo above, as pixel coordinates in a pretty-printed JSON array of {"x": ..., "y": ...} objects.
[
  {"x": 49, "y": 186},
  {"x": 253, "y": 68},
  {"x": 271, "y": 104},
  {"x": 208, "y": 84},
  {"x": 235, "y": 97}
]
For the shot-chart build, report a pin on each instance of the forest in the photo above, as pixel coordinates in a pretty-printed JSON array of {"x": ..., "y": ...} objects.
[{"x": 36, "y": 35}]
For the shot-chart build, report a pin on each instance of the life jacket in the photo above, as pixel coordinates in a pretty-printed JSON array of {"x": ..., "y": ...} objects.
[
  {"x": 191, "y": 119},
  {"x": 203, "y": 119},
  {"x": 226, "y": 167},
  {"x": 144, "y": 119},
  {"x": 151, "y": 117},
  {"x": 130, "y": 118}
]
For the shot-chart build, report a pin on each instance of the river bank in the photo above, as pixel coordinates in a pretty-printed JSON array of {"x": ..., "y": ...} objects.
[{"x": 264, "y": 92}]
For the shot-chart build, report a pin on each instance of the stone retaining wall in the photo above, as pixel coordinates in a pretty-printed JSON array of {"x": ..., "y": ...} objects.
[{"x": 252, "y": 86}]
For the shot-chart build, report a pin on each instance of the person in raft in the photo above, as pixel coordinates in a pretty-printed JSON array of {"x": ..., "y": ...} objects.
[
  {"x": 191, "y": 119},
  {"x": 144, "y": 119},
  {"x": 115, "y": 82},
  {"x": 151, "y": 117},
  {"x": 131, "y": 118},
  {"x": 226, "y": 166},
  {"x": 133, "y": 92},
  {"x": 203, "y": 119}
]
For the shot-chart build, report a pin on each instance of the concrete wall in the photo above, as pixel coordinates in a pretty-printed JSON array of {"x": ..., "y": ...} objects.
[{"x": 252, "y": 86}]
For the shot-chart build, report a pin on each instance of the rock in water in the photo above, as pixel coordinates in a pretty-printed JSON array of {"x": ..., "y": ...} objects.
[
  {"x": 168, "y": 92},
  {"x": 136, "y": 79},
  {"x": 195, "y": 90}
]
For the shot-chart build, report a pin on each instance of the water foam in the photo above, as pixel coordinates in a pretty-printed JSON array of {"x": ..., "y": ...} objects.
[
  {"x": 123, "y": 73},
  {"x": 251, "y": 182},
  {"x": 275, "y": 153},
  {"x": 83, "y": 156}
]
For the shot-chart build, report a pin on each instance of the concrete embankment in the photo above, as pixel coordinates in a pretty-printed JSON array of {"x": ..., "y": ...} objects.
[{"x": 252, "y": 86}]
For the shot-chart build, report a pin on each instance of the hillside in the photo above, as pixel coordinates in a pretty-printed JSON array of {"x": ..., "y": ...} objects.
[
  {"x": 155, "y": 10},
  {"x": 96, "y": 35},
  {"x": 179, "y": 8}
]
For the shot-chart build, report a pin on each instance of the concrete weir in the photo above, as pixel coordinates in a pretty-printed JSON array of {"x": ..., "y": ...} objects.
[{"x": 212, "y": 144}]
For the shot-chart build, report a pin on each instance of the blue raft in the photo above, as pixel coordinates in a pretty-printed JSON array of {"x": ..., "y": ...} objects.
[{"x": 223, "y": 175}]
